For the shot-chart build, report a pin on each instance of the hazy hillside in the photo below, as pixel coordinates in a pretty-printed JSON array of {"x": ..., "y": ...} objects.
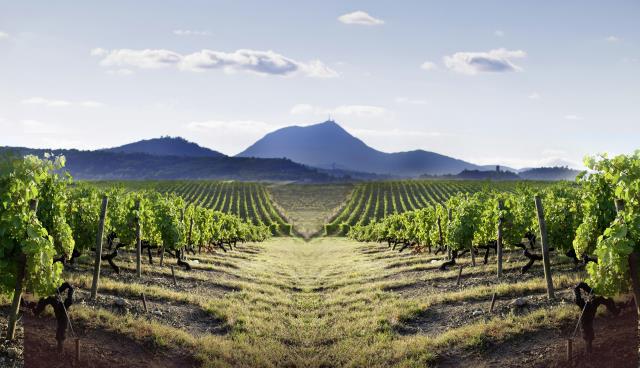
[
  {"x": 94, "y": 165},
  {"x": 327, "y": 145},
  {"x": 549, "y": 173},
  {"x": 166, "y": 146}
]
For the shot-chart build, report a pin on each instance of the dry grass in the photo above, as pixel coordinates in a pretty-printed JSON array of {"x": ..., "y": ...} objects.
[{"x": 325, "y": 303}]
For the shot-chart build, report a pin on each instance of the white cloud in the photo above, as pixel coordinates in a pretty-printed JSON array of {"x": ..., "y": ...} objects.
[
  {"x": 362, "y": 111},
  {"x": 429, "y": 65},
  {"x": 317, "y": 69},
  {"x": 612, "y": 39},
  {"x": 144, "y": 59},
  {"x": 406, "y": 100},
  {"x": 498, "y": 33},
  {"x": 258, "y": 62},
  {"x": 59, "y": 103},
  {"x": 498, "y": 60},
  {"x": 3, "y": 35},
  {"x": 573, "y": 117},
  {"x": 535, "y": 96},
  {"x": 360, "y": 18},
  {"x": 98, "y": 51},
  {"x": 189, "y": 32}
]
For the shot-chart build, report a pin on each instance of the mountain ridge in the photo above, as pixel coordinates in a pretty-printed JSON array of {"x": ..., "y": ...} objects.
[
  {"x": 328, "y": 145},
  {"x": 166, "y": 146}
]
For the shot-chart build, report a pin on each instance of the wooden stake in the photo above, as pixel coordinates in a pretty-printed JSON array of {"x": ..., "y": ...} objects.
[
  {"x": 569, "y": 350},
  {"x": 144, "y": 303},
  {"x": 499, "y": 241},
  {"x": 77, "y": 358},
  {"x": 440, "y": 233},
  {"x": 459, "y": 274},
  {"x": 449, "y": 248},
  {"x": 493, "y": 302},
  {"x": 545, "y": 247},
  {"x": 473, "y": 254},
  {"x": 138, "y": 241},
  {"x": 96, "y": 267},
  {"x": 173, "y": 272}
]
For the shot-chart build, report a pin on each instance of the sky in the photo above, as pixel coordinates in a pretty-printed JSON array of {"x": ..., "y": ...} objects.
[{"x": 516, "y": 83}]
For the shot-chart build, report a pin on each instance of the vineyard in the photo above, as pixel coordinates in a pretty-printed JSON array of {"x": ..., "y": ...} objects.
[
  {"x": 370, "y": 202},
  {"x": 428, "y": 272},
  {"x": 250, "y": 201}
]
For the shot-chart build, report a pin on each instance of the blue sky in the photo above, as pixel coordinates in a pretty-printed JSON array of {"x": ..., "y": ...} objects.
[{"x": 518, "y": 83}]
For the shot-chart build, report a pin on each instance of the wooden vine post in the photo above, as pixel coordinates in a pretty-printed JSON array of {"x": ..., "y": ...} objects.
[
  {"x": 190, "y": 233},
  {"x": 440, "y": 233},
  {"x": 473, "y": 254},
  {"x": 173, "y": 273},
  {"x": 138, "y": 241},
  {"x": 499, "y": 240},
  {"x": 545, "y": 247},
  {"x": 99, "y": 236},
  {"x": 449, "y": 217},
  {"x": 17, "y": 293}
]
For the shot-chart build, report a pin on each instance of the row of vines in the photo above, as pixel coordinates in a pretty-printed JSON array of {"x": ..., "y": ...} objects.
[
  {"x": 371, "y": 202},
  {"x": 595, "y": 221},
  {"x": 249, "y": 201},
  {"x": 47, "y": 221}
]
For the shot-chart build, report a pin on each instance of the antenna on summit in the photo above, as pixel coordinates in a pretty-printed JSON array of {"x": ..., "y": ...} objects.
[{"x": 329, "y": 119}]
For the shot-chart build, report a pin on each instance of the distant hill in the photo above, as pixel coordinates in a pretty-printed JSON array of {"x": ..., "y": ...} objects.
[
  {"x": 542, "y": 174},
  {"x": 327, "y": 145},
  {"x": 479, "y": 175},
  {"x": 104, "y": 165},
  {"x": 549, "y": 173},
  {"x": 166, "y": 146}
]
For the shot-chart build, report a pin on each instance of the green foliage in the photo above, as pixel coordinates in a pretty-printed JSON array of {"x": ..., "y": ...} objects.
[
  {"x": 562, "y": 213},
  {"x": 621, "y": 176},
  {"x": 25, "y": 241}
]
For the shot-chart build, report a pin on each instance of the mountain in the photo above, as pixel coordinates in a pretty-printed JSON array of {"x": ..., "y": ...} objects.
[
  {"x": 327, "y": 145},
  {"x": 105, "y": 165},
  {"x": 166, "y": 146}
]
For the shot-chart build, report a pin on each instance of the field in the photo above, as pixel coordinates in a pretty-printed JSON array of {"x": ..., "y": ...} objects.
[
  {"x": 375, "y": 200},
  {"x": 325, "y": 301}
]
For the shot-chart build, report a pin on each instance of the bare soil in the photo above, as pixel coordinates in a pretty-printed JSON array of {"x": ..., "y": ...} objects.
[{"x": 98, "y": 349}]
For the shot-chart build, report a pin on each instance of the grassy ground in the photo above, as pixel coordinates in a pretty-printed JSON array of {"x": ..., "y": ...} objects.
[
  {"x": 309, "y": 206},
  {"x": 330, "y": 302}
]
